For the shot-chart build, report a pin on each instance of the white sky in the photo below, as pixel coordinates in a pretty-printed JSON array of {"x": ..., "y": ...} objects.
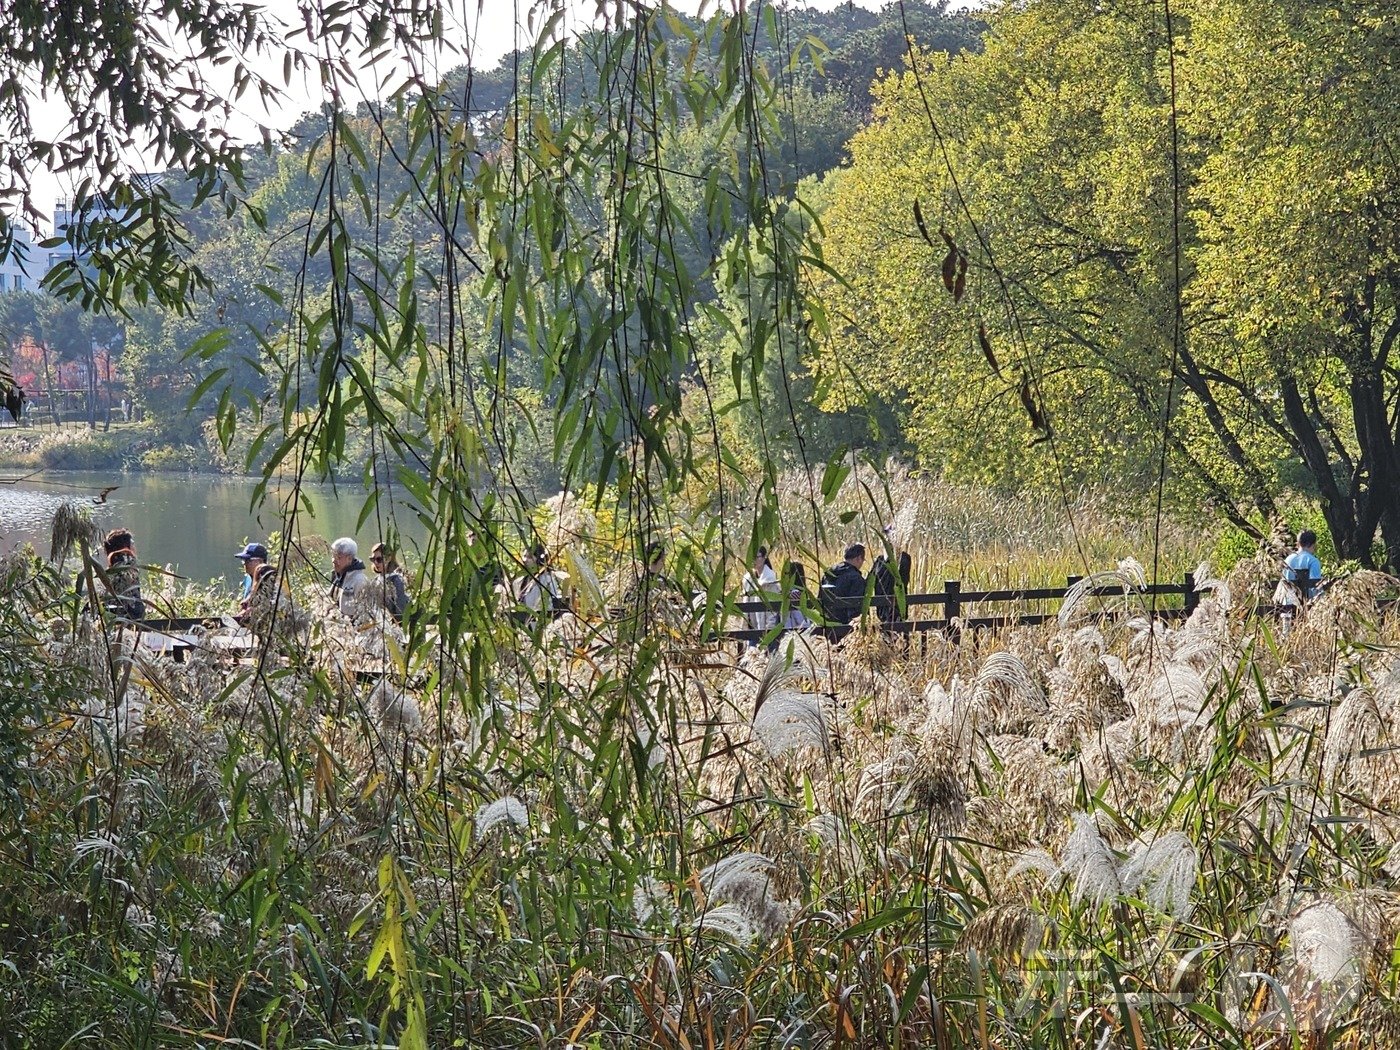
[{"x": 486, "y": 29}]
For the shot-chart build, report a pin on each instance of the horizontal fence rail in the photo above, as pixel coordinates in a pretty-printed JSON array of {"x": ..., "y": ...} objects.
[
  {"x": 953, "y": 599},
  {"x": 177, "y": 636}
]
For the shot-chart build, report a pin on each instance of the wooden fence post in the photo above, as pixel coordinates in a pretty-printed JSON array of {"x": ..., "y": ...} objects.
[
  {"x": 1192, "y": 598},
  {"x": 952, "y": 607},
  {"x": 1070, "y": 581}
]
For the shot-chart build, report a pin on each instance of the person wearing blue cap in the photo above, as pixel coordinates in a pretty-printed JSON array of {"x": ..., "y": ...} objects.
[{"x": 253, "y": 557}]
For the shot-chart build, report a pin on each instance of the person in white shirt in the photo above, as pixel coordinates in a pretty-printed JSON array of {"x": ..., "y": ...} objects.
[
  {"x": 761, "y": 582},
  {"x": 539, "y": 588}
]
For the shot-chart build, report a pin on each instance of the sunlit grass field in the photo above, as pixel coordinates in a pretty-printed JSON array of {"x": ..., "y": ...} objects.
[{"x": 610, "y": 832}]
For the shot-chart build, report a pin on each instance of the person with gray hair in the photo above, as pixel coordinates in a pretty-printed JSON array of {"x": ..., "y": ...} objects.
[{"x": 347, "y": 572}]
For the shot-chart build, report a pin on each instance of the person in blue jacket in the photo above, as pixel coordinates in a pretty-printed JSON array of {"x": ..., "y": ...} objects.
[
  {"x": 1301, "y": 569},
  {"x": 253, "y": 556}
]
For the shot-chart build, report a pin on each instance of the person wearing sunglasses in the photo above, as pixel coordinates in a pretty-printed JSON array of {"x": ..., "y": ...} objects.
[{"x": 385, "y": 564}]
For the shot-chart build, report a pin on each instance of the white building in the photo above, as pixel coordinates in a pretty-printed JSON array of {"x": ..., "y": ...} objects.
[
  {"x": 96, "y": 209},
  {"x": 24, "y": 266}
]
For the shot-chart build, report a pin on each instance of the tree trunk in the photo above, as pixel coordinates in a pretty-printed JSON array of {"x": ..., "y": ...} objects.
[
  {"x": 48, "y": 378},
  {"x": 91, "y": 388},
  {"x": 1374, "y": 483}
]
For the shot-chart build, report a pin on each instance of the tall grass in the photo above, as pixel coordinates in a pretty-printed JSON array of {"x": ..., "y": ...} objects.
[{"x": 1098, "y": 833}]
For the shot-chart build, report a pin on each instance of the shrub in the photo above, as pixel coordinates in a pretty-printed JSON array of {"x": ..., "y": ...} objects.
[
  {"x": 79, "y": 450},
  {"x": 173, "y": 457},
  {"x": 1232, "y": 546}
]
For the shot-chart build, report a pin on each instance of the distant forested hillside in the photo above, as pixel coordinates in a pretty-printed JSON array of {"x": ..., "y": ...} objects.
[{"x": 262, "y": 259}]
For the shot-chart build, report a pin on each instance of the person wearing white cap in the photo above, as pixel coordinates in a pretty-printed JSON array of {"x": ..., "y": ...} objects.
[{"x": 347, "y": 572}]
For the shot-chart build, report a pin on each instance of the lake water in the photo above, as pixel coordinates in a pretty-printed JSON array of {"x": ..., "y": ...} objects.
[{"x": 193, "y": 522}]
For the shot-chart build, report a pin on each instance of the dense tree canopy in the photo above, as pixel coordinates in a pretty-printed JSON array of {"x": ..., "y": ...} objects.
[
  {"x": 1118, "y": 237},
  {"x": 1088, "y": 172}
]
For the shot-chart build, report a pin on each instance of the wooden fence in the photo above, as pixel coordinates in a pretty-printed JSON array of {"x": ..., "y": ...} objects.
[
  {"x": 953, "y": 600},
  {"x": 172, "y": 636}
]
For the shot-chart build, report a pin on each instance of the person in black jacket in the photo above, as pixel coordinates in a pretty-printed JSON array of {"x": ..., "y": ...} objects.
[
  {"x": 123, "y": 575},
  {"x": 843, "y": 587},
  {"x": 886, "y": 589}
]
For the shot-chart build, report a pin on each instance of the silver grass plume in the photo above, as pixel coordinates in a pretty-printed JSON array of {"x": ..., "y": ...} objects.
[
  {"x": 1149, "y": 636},
  {"x": 1037, "y": 861},
  {"x": 1195, "y": 644},
  {"x": 836, "y": 837},
  {"x": 1129, "y": 575},
  {"x": 904, "y": 529},
  {"x": 1357, "y": 727},
  {"x": 728, "y": 920},
  {"x": 789, "y": 720},
  {"x": 941, "y": 759},
  {"x": 1166, "y": 869},
  {"x": 779, "y": 670},
  {"x": 1324, "y": 943},
  {"x": 651, "y": 901},
  {"x": 1091, "y": 865},
  {"x": 1001, "y": 682},
  {"x": 395, "y": 710},
  {"x": 1005, "y": 932},
  {"x": 1208, "y": 582},
  {"x": 1176, "y": 697},
  {"x": 721, "y": 876},
  {"x": 507, "y": 810},
  {"x": 833, "y": 831},
  {"x": 1387, "y": 690},
  {"x": 1117, "y": 670},
  {"x": 744, "y": 882},
  {"x": 883, "y": 783}
]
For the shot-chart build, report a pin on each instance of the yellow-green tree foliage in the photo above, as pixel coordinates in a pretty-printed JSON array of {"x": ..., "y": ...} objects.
[{"x": 1086, "y": 170}]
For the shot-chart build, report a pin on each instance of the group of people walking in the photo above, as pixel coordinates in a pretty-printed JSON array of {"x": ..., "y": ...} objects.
[
  {"x": 348, "y": 576},
  {"x": 122, "y": 580},
  {"x": 842, "y": 596},
  {"x": 845, "y": 589}
]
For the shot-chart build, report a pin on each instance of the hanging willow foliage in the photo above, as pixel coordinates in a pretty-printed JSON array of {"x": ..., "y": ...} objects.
[{"x": 551, "y": 241}]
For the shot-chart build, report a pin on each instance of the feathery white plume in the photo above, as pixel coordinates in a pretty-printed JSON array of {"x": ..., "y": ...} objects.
[
  {"x": 1038, "y": 861},
  {"x": 1132, "y": 573},
  {"x": 1195, "y": 643},
  {"x": 1356, "y": 727},
  {"x": 836, "y": 836},
  {"x": 1206, "y": 580},
  {"x": 1116, "y": 670},
  {"x": 1004, "y": 672},
  {"x": 1177, "y": 697},
  {"x": 1323, "y": 941},
  {"x": 1091, "y": 866},
  {"x": 789, "y": 720},
  {"x": 1166, "y": 868},
  {"x": 504, "y": 810},
  {"x": 396, "y": 711},
  {"x": 651, "y": 900},
  {"x": 1129, "y": 575},
  {"x": 728, "y": 920},
  {"x": 720, "y": 877}
]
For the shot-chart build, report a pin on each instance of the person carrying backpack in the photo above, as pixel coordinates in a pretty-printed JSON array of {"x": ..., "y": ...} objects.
[{"x": 1302, "y": 572}]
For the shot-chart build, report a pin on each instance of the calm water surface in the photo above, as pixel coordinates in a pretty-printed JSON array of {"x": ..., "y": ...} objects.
[{"x": 193, "y": 522}]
